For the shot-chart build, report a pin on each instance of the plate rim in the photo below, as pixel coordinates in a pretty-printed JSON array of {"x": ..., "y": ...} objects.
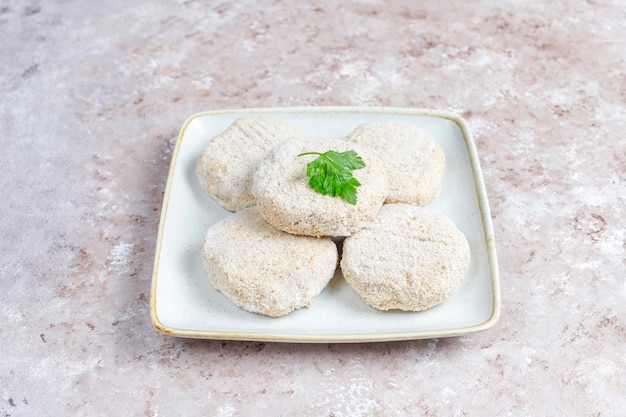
[{"x": 483, "y": 204}]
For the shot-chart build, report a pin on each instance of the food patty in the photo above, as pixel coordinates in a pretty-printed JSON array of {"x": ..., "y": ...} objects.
[
  {"x": 408, "y": 258},
  {"x": 227, "y": 165},
  {"x": 415, "y": 162},
  {"x": 264, "y": 270},
  {"x": 285, "y": 199}
]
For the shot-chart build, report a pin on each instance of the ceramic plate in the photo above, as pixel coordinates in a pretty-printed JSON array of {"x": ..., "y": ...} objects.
[{"x": 184, "y": 303}]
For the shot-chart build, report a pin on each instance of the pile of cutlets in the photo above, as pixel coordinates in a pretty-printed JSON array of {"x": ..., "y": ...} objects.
[{"x": 278, "y": 250}]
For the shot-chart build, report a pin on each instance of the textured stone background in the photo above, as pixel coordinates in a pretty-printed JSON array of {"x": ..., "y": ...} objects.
[{"x": 92, "y": 95}]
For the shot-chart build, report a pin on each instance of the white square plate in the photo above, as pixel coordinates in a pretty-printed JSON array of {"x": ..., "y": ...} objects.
[{"x": 184, "y": 303}]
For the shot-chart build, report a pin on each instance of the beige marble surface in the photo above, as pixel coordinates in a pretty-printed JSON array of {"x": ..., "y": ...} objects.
[{"x": 94, "y": 93}]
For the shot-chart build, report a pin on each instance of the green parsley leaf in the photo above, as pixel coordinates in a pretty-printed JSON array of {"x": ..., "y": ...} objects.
[{"x": 329, "y": 174}]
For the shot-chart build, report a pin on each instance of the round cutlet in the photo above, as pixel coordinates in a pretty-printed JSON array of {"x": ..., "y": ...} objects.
[
  {"x": 227, "y": 165},
  {"x": 286, "y": 200},
  {"x": 264, "y": 270},
  {"x": 407, "y": 258},
  {"x": 414, "y": 160}
]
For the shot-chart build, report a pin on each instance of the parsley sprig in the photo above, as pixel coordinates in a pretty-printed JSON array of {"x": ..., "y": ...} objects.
[{"x": 330, "y": 173}]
